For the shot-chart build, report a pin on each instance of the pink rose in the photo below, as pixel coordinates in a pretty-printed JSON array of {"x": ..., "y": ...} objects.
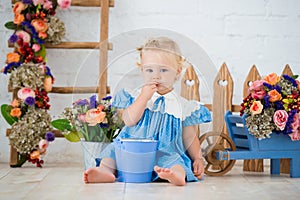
[
  {"x": 25, "y": 92},
  {"x": 257, "y": 89},
  {"x": 94, "y": 116},
  {"x": 81, "y": 117},
  {"x": 43, "y": 144},
  {"x": 36, "y": 47},
  {"x": 256, "y": 107},
  {"x": 295, "y": 135},
  {"x": 280, "y": 118},
  {"x": 47, "y": 4},
  {"x": 24, "y": 35},
  {"x": 64, "y": 4}
]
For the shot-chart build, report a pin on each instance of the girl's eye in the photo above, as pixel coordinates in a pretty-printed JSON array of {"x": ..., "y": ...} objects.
[
  {"x": 163, "y": 70},
  {"x": 149, "y": 70}
]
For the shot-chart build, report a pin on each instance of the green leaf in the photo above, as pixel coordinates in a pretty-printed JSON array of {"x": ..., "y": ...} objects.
[
  {"x": 41, "y": 52},
  {"x": 72, "y": 137},
  {"x": 5, "y": 111},
  {"x": 10, "y": 25},
  {"x": 61, "y": 124}
]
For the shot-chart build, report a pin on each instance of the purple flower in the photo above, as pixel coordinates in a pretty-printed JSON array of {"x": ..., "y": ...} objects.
[
  {"x": 11, "y": 65},
  {"x": 48, "y": 72},
  {"x": 267, "y": 85},
  {"x": 279, "y": 105},
  {"x": 106, "y": 98},
  {"x": 49, "y": 136},
  {"x": 81, "y": 102},
  {"x": 278, "y": 88},
  {"x": 93, "y": 102},
  {"x": 30, "y": 101},
  {"x": 267, "y": 102},
  {"x": 290, "y": 79},
  {"x": 13, "y": 38},
  {"x": 27, "y": 1}
]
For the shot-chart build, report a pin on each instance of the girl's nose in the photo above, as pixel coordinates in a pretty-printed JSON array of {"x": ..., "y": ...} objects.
[{"x": 156, "y": 76}]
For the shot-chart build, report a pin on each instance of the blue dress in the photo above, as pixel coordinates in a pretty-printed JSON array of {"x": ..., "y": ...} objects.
[{"x": 163, "y": 120}]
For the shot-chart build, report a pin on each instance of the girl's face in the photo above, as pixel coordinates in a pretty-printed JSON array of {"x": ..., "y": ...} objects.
[{"x": 161, "y": 68}]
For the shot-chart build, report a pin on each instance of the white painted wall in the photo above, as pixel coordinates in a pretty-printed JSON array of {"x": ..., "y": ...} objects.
[{"x": 239, "y": 32}]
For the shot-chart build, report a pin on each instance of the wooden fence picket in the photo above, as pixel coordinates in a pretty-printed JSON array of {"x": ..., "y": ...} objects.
[
  {"x": 222, "y": 98},
  {"x": 256, "y": 165}
]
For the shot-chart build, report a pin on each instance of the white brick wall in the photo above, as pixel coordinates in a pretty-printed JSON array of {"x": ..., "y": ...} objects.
[{"x": 238, "y": 32}]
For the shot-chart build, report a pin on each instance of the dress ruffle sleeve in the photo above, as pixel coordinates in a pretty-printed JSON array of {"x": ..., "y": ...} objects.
[
  {"x": 122, "y": 99},
  {"x": 199, "y": 116}
]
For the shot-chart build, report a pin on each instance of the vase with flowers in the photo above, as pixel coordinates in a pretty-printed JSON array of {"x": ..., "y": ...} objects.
[
  {"x": 273, "y": 107},
  {"x": 33, "y": 25},
  {"x": 94, "y": 123}
]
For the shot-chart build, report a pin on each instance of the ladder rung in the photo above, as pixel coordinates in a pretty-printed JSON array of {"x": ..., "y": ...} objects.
[
  {"x": 85, "y": 3},
  {"x": 73, "y": 45}
]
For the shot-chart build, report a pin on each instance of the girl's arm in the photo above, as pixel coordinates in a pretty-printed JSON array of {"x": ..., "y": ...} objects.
[
  {"x": 192, "y": 145},
  {"x": 134, "y": 112}
]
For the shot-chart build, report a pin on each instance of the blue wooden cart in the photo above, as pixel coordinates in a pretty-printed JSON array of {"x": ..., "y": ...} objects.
[{"x": 222, "y": 150}]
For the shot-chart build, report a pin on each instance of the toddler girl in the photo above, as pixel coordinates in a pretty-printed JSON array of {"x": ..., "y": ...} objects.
[{"x": 158, "y": 112}]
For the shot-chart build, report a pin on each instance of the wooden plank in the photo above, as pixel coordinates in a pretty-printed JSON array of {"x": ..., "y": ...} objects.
[
  {"x": 104, "y": 10},
  {"x": 190, "y": 88},
  {"x": 222, "y": 98},
  {"x": 287, "y": 70},
  {"x": 190, "y": 85},
  {"x": 85, "y": 3},
  {"x": 252, "y": 165},
  {"x": 13, "y": 156},
  {"x": 222, "y": 101},
  {"x": 285, "y": 163},
  {"x": 73, "y": 90},
  {"x": 73, "y": 45},
  {"x": 91, "y": 3}
]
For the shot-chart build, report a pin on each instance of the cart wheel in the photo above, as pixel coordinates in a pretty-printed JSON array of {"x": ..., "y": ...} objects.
[{"x": 211, "y": 143}]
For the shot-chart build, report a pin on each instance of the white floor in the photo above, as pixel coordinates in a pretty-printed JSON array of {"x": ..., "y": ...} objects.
[{"x": 65, "y": 182}]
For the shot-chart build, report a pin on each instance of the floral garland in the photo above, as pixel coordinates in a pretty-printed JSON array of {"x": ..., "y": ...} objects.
[{"x": 34, "y": 24}]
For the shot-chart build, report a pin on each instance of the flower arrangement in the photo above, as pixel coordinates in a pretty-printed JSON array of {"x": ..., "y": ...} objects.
[
  {"x": 34, "y": 24},
  {"x": 90, "y": 120},
  {"x": 273, "y": 105}
]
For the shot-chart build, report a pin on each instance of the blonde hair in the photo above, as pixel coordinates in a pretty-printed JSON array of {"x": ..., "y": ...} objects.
[{"x": 162, "y": 44}]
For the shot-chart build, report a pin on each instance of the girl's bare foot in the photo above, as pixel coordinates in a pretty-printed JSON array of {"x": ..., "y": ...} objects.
[
  {"x": 98, "y": 175},
  {"x": 173, "y": 176}
]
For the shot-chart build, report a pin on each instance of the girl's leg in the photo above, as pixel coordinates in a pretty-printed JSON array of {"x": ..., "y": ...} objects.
[
  {"x": 105, "y": 173},
  {"x": 175, "y": 174}
]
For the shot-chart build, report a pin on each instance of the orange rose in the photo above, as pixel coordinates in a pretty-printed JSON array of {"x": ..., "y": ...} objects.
[
  {"x": 35, "y": 155},
  {"x": 19, "y": 18},
  {"x": 39, "y": 25},
  {"x": 15, "y": 112},
  {"x": 272, "y": 79},
  {"x": 298, "y": 82},
  {"x": 48, "y": 83},
  {"x": 42, "y": 35},
  {"x": 14, "y": 103},
  {"x": 256, "y": 107},
  {"x": 12, "y": 57},
  {"x": 274, "y": 96},
  {"x": 19, "y": 7},
  {"x": 94, "y": 116}
]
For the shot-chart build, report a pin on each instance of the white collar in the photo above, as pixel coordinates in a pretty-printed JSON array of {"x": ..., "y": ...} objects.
[{"x": 175, "y": 105}]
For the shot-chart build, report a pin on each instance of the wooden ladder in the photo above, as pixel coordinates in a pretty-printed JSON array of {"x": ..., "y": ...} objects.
[{"x": 103, "y": 45}]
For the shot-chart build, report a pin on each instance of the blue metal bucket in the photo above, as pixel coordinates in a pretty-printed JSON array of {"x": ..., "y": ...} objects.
[{"x": 135, "y": 159}]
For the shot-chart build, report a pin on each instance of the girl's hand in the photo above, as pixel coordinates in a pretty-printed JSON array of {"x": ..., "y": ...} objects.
[
  {"x": 148, "y": 90},
  {"x": 198, "y": 168}
]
